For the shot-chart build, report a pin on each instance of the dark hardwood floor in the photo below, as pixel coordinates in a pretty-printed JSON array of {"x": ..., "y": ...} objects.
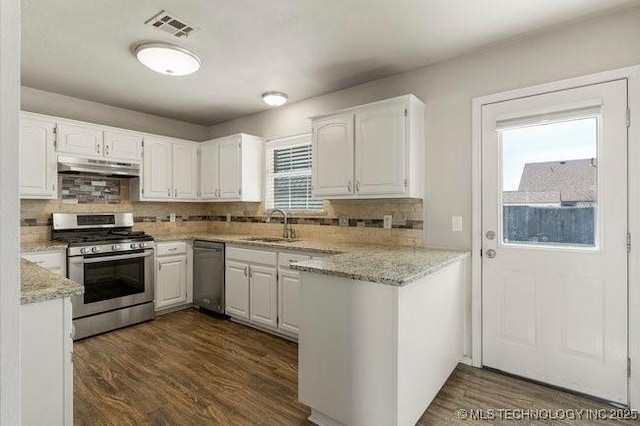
[{"x": 187, "y": 368}]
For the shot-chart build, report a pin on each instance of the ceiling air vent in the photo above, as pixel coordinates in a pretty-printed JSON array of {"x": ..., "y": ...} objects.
[{"x": 167, "y": 22}]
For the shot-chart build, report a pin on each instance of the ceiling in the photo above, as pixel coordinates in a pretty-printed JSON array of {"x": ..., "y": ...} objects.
[{"x": 83, "y": 48}]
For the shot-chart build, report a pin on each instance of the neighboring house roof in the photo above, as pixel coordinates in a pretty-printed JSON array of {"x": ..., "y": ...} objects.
[
  {"x": 544, "y": 197},
  {"x": 574, "y": 180}
]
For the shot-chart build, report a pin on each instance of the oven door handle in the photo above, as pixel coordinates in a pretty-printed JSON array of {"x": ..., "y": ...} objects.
[{"x": 82, "y": 260}]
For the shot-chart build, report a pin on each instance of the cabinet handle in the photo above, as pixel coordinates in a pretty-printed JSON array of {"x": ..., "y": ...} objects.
[
  {"x": 250, "y": 271},
  {"x": 159, "y": 266},
  {"x": 98, "y": 148},
  {"x": 349, "y": 186},
  {"x": 169, "y": 192},
  {"x": 357, "y": 186},
  {"x": 173, "y": 248},
  {"x": 292, "y": 262},
  {"x": 106, "y": 150},
  {"x": 175, "y": 192},
  {"x": 246, "y": 270}
]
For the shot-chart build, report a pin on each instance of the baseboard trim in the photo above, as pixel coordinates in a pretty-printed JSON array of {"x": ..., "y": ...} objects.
[{"x": 321, "y": 419}]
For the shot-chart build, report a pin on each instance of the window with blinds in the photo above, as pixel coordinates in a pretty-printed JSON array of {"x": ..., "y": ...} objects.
[{"x": 289, "y": 175}]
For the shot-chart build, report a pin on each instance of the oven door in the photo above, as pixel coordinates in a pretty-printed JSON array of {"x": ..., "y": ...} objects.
[{"x": 111, "y": 281}]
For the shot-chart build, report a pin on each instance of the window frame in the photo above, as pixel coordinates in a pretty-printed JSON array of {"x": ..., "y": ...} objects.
[{"x": 281, "y": 143}]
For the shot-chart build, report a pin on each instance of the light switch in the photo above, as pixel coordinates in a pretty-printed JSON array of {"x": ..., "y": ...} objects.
[
  {"x": 228, "y": 217},
  {"x": 456, "y": 223},
  {"x": 388, "y": 220}
]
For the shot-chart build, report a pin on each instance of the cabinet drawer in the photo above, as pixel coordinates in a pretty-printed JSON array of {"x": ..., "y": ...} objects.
[
  {"x": 252, "y": 256},
  {"x": 49, "y": 260},
  {"x": 285, "y": 260},
  {"x": 169, "y": 249}
]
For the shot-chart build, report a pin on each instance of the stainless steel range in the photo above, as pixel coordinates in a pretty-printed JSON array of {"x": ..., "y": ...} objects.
[{"x": 115, "y": 265}]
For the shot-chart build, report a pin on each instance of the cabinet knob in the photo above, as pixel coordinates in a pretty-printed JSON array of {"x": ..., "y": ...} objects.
[
  {"x": 169, "y": 192},
  {"x": 357, "y": 186}
]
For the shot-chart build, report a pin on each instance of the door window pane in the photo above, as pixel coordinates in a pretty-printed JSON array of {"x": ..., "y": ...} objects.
[{"x": 550, "y": 183}]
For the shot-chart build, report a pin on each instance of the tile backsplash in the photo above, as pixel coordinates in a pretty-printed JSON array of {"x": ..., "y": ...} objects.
[
  {"x": 79, "y": 189},
  {"x": 363, "y": 218}
]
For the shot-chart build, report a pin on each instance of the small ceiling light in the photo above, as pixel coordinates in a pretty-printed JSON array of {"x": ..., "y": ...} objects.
[
  {"x": 168, "y": 59},
  {"x": 274, "y": 99}
]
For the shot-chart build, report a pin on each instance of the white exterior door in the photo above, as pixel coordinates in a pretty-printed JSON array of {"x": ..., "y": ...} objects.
[
  {"x": 209, "y": 171},
  {"x": 381, "y": 149},
  {"x": 38, "y": 164},
  {"x": 333, "y": 151},
  {"x": 171, "y": 281},
  {"x": 237, "y": 289},
  {"x": 76, "y": 139},
  {"x": 554, "y": 223},
  {"x": 230, "y": 179},
  {"x": 263, "y": 295},
  {"x": 122, "y": 146},
  {"x": 157, "y": 180},
  {"x": 185, "y": 171}
]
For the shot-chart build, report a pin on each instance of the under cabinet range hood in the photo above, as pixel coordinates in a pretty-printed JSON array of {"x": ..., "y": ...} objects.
[{"x": 76, "y": 165}]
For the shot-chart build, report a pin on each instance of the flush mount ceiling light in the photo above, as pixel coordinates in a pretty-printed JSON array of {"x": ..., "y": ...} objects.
[
  {"x": 168, "y": 59},
  {"x": 274, "y": 99}
]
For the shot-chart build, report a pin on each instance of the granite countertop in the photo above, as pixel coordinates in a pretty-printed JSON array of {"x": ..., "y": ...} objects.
[
  {"x": 42, "y": 246},
  {"x": 40, "y": 284},
  {"x": 391, "y": 265}
]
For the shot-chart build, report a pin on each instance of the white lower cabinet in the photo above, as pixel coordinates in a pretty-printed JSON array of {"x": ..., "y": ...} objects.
[
  {"x": 47, "y": 363},
  {"x": 174, "y": 278},
  {"x": 263, "y": 295},
  {"x": 53, "y": 260},
  {"x": 262, "y": 290},
  {"x": 237, "y": 289}
]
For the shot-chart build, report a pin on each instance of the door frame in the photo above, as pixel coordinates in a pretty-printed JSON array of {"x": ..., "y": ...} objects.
[{"x": 632, "y": 75}]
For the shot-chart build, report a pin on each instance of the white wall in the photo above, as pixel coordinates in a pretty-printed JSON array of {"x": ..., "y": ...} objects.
[
  {"x": 10, "y": 384},
  {"x": 601, "y": 43},
  {"x": 42, "y": 102}
]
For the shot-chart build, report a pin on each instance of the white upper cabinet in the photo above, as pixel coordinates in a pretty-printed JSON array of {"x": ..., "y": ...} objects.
[
  {"x": 79, "y": 139},
  {"x": 209, "y": 171},
  {"x": 185, "y": 171},
  {"x": 232, "y": 169},
  {"x": 38, "y": 163},
  {"x": 169, "y": 171},
  {"x": 157, "y": 181},
  {"x": 120, "y": 145},
  {"x": 370, "y": 151},
  {"x": 333, "y": 149},
  {"x": 381, "y": 149}
]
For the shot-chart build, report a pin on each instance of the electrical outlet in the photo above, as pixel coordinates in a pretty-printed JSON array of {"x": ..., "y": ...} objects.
[
  {"x": 388, "y": 220},
  {"x": 456, "y": 223},
  {"x": 172, "y": 217},
  {"x": 228, "y": 217},
  {"x": 343, "y": 220}
]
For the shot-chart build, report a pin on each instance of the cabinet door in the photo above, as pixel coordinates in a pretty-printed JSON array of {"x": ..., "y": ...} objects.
[
  {"x": 171, "y": 281},
  {"x": 237, "y": 289},
  {"x": 122, "y": 146},
  {"x": 77, "y": 139},
  {"x": 185, "y": 171},
  {"x": 263, "y": 295},
  {"x": 333, "y": 156},
  {"x": 289, "y": 301},
  {"x": 38, "y": 168},
  {"x": 381, "y": 149},
  {"x": 156, "y": 168},
  {"x": 230, "y": 168},
  {"x": 209, "y": 171}
]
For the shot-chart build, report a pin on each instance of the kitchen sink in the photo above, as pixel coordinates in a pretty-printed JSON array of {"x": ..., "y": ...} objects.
[{"x": 271, "y": 239}]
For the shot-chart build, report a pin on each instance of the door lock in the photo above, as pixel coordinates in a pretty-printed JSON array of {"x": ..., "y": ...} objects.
[
  {"x": 490, "y": 235},
  {"x": 491, "y": 253}
]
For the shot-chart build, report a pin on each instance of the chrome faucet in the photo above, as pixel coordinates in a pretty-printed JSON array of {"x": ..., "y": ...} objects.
[{"x": 287, "y": 231}]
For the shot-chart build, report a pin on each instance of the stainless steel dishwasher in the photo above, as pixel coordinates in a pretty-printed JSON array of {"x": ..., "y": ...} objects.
[{"x": 208, "y": 276}]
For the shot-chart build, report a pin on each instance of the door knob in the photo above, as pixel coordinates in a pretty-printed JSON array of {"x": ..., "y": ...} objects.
[
  {"x": 490, "y": 235},
  {"x": 491, "y": 253}
]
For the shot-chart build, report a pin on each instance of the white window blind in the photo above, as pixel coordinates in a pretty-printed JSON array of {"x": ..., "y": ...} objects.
[{"x": 288, "y": 163}]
